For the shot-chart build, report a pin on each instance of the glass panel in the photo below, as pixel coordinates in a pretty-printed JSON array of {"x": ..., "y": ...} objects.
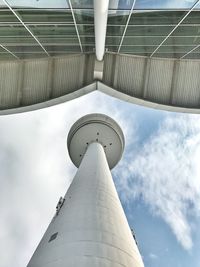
[
  {"x": 118, "y": 17},
  {"x": 113, "y": 40},
  {"x": 148, "y": 30},
  {"x": 198, "y": 6},
  {"x": 88, "y": 49},
  {"x": 46, "y": 16},
  {"x": 86, "y": 30},
  {"x": 31, "y": 55},
  {"x": 13, "y": 31},
  {"x": 182, "y": 40},
  {"x": 112, "y": 48},
  {"x": 7, "y": 16},
  {"x": 38, "y": 4},
  {"x": 161, "y": 4},
  {"x": 187, "y": 31},
  {"x": 137, "y": 49},
  {"x": 193, "y": 56},
  {"x": 56, "y": 54},
  {"x": 82, "y": 3},
  {"x": 192, "y": 18},
  {"x": 175, "y": 49},
  {"x": 120, "y": 4},
  {"x": 2, "y": 50},
  {"x": 59, "y": 40},
  {"x": 156, "y": 18},
  {"x": 61, "y": 48},
  {"x": 115, "y": 30},
  {"x": 84, "y": 16},
  {"x": 87, "y": 40},
  {"x": 144, "y": 40},
  {"x": 17, "y": 40},
  {"x": 138, "y": 54},
  {"x": 53, "y": 30},
  {"x": 197, "y": 50},
  {"x": 2, "y": 4},
  {"x": 6, "y": 56},
  {"x": 168, "y": 55},
  {"x": 25, "y": 49}
]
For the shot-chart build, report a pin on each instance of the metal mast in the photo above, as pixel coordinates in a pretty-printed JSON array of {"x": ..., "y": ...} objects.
[{"x": 90, "y": 228}]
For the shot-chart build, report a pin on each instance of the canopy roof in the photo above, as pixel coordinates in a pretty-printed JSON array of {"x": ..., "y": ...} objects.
[{"x": 154, "y": 45}]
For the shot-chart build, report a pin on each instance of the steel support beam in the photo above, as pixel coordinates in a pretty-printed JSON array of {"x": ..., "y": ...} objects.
[{"x": 100, "y": 22}]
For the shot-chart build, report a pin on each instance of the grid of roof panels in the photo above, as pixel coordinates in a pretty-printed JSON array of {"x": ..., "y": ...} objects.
[
  {"x": 32, "y": 29},
  {"x": 154, "y": 28}
]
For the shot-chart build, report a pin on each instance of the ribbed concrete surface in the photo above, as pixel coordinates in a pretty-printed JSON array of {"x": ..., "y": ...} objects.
[{"x": 92, "y": 227}]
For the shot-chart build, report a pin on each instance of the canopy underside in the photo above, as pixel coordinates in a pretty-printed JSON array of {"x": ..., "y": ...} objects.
[{"x": 169, "y": 84}]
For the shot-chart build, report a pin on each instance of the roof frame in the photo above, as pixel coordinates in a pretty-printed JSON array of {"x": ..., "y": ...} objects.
[
  {"x": 75, "y": 24},
  {"x": 2, "y": 46},
  {"x": 25, "y": 26},
  {"x": 125, "y": 29},
  {"x": 190, "y": 51},
  {"x": 177, "y": 25}
]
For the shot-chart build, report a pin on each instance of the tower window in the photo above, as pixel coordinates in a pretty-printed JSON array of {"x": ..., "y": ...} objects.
[{"x": 53, "y": 237}]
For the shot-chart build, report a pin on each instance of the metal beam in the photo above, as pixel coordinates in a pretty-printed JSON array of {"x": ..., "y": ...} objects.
[
  {"x": 25, "y": 26},
  {"x": 129, "y": 17},
  {"x": 2, "y": 46},
  {"x": 190, "y": 51},
  {"x": 100, "y": 23},
  {"x": 196, "y": 3},
  {"x": 75, "y": 24}
]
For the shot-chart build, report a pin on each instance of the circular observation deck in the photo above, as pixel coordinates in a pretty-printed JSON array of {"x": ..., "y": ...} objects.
[{"x": 96, "y": 128}]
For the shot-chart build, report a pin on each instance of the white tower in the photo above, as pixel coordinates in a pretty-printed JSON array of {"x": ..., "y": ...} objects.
[{"x": 90, "y": 228}]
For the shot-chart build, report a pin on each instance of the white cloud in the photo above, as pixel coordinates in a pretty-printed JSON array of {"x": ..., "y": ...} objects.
[
  {"x": 166, "y": 173},
  {"x": 153, "y": 256}
]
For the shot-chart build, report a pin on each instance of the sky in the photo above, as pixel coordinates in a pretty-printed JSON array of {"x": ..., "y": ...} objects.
[
  {"x": 157, "y": 179},
  {"x": 121, "y": 4}
]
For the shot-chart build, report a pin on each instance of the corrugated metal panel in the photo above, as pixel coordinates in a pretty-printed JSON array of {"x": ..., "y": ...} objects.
[
  {"x": 109, "y": 68},
  {"x": 88, "y": 69},
  {"x": 160, "y": 81},
  {"x": 68, "y": 75},
  {"x": 130, "y": 75},
  {"x": 27, "y": 82},
  {"x": 164, "y": 81},
  {"x": 35, "y": 82},
  {"x": 124, "y": 73},
  {"x": 8, "y": 84},
  {"x": 187, "y": 91}
]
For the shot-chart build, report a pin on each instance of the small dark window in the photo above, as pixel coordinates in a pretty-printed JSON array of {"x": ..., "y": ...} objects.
[{"x": 53, "y": 237}]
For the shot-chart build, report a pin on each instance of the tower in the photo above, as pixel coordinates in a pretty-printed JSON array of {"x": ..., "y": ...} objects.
[{"x": 90, "y": 228}]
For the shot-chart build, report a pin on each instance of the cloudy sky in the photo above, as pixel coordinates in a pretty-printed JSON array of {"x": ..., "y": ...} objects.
[{"x": 158, "y": 178}]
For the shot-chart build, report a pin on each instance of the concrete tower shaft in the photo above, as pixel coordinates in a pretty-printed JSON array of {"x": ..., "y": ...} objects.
[{"x": 90, "y": 228}]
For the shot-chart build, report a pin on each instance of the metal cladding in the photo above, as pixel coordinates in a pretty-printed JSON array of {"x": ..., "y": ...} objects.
[
  {"x": 89, "y": 228},
  {"x": 25, "y": 83},
  {"x": 147, "y": 51},
  {"x": 169, "y": 84}
]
